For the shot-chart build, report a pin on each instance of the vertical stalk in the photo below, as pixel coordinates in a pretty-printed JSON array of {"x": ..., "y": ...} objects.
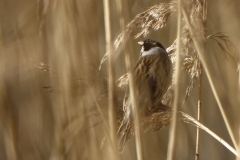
[
  {"x": 135, "y": 104},
  {"x": 204, "y": 11},
  {"x": 132, "y": 87},
  {"x": 204, "y": 17},
  {"x": 199, "y": 112},
  {"x": 120, "y": 13},
  {"x": 10, "y": 136},
  {"x": 238, "y": 158},
  {"x": 8, "y": 121},
  {"x": 176, "y": 101},
  {"x": 112, "y": 113},
  {"x": 239, "y": 85}
]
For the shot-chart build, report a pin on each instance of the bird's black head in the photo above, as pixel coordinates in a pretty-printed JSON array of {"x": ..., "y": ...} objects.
[{"x": 149, "y": 45}]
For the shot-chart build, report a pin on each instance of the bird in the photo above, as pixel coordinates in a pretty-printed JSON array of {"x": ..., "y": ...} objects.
[{"x": 152, "y": 76}]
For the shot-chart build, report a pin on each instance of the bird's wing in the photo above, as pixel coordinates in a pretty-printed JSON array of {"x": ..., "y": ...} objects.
[{"x": 161, "y": 80}]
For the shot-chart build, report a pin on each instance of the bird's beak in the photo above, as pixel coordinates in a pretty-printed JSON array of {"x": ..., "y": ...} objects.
[{"x": 141, "y": 43}]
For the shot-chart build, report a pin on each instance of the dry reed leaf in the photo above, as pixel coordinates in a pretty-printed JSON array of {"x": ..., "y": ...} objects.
[
  {"x": 227, "y": 46},
  {"x": 188, "y": 119}
]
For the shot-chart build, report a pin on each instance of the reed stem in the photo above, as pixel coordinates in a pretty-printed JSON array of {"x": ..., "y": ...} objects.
[
  {"x": 176, "y": 101},
  {"x": 111, "y": 82}
]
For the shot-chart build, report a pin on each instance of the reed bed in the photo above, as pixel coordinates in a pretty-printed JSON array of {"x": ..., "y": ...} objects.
[{"x": 60, "y": 93}]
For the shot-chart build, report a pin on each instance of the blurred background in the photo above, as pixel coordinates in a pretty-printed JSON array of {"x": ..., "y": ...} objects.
[{"x": 50, "y": 83}]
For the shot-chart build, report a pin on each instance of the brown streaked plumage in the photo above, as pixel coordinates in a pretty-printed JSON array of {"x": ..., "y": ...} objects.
[{"x": 152, "y": 75}]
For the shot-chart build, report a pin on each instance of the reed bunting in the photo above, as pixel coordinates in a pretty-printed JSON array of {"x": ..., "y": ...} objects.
[{"x": 152, "y": 76}]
